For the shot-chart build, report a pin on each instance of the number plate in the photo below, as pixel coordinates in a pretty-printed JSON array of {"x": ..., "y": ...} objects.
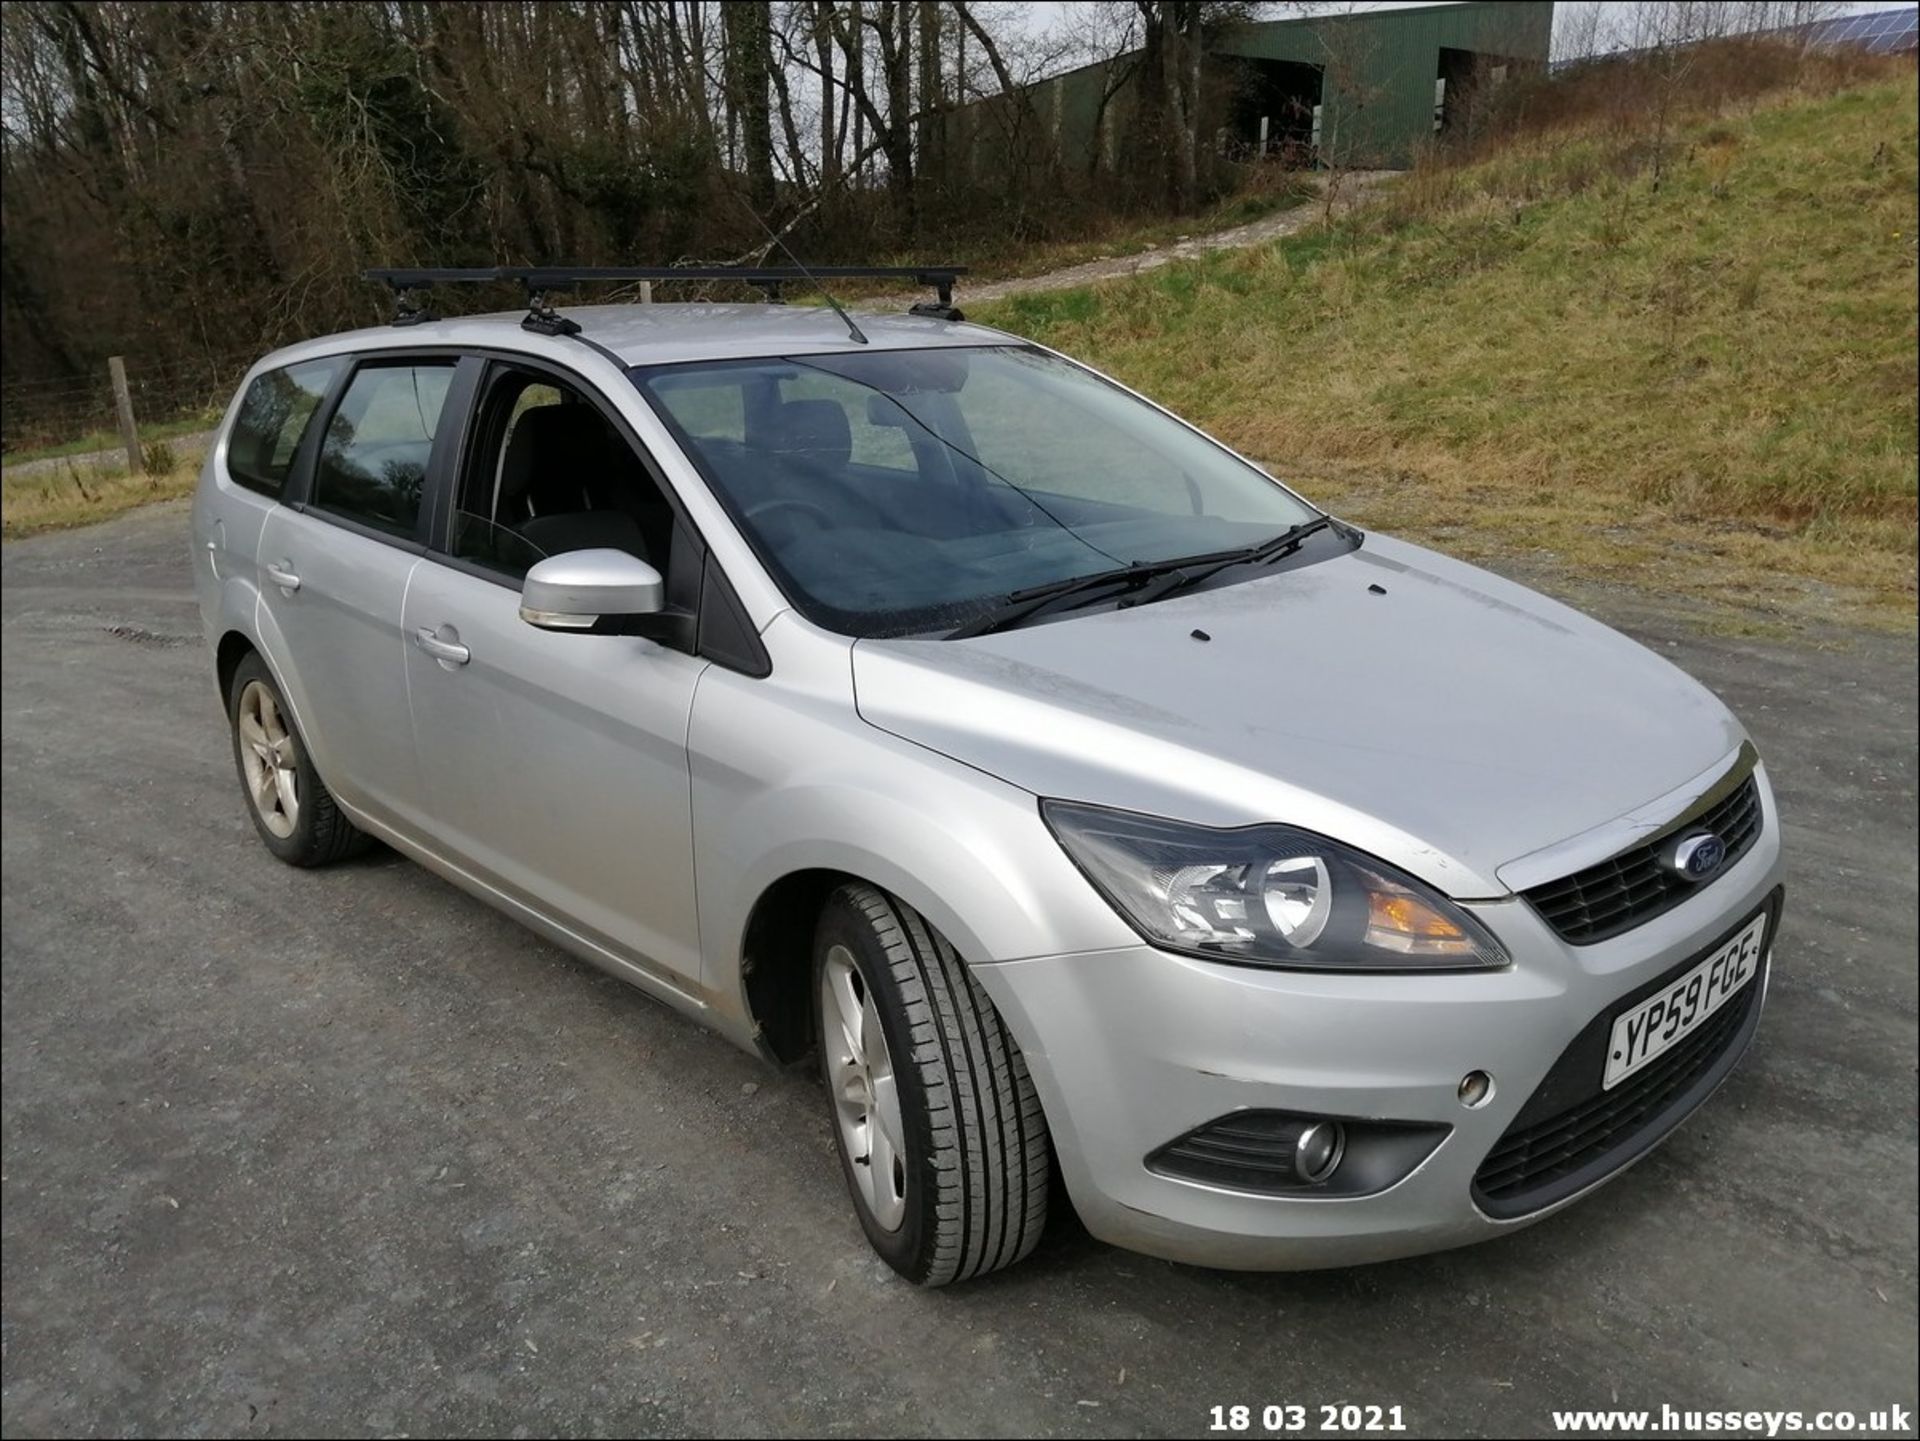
[{"x": 1651, "y": 1028}]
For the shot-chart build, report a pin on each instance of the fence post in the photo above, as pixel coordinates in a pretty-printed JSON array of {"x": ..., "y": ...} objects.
[
  {"x": 646, "y": 292},
  {"x": 123, "y": 408}
]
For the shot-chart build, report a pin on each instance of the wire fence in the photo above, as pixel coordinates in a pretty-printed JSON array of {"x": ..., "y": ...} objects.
[{"x": 57, "y": 410}]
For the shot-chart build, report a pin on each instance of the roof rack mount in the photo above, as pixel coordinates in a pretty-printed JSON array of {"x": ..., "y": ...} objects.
[{"x": 537, "y": 280}]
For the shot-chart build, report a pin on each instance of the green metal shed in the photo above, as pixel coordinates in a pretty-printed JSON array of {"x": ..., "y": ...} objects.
[{"x": 1358, "y": 88}]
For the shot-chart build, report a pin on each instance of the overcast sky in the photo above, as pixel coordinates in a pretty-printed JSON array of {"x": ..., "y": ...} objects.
[
  {"x": 1042, "y": 13},
  {"x": 1039, "y": 16}
]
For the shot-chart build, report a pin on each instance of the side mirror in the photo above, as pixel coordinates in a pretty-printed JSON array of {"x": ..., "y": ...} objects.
[{"x": 607, "y": 591}]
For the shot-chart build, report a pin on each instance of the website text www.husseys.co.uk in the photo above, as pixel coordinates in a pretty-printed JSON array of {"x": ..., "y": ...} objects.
[{"x": 1688, "y": 1421}]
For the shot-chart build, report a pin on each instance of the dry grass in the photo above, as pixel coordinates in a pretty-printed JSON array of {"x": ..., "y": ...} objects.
[
  {"x": 105, "y": 439},
  {"x": 1705, "y": 386},
  {"x": 69, "y": 495}
]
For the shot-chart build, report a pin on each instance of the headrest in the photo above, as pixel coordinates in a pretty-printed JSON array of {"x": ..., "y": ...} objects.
[
  {"x": 815, "y": 430},
  {"x": 557, "y": 455}
]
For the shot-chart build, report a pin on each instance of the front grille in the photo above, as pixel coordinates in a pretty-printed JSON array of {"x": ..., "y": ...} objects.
[
  {"x": 1571, "y": 1133},
  {"x": 1635, "y": 886}
]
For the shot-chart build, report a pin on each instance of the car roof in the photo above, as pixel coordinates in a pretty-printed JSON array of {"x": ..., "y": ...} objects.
[{"x": 664, "y": 334}]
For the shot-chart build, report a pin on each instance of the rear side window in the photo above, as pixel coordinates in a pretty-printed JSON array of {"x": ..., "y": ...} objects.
[
  {"x": 373, "y": 461},
  {"x": 273, "y": 416}
]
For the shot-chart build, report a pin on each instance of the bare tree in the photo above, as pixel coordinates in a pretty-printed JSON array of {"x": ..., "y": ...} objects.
[
  {"x": 1579, "y": 28},
  {"x": 194, "y": 181},
  {"x": 1106, "y": 37},
  {"x": 1008, "y": 94},
  {"x": 1176, "y": 37},
  {"x": 749, "y": 40},
  {"x": 820, "y": 14},
  {"x": 930, "y": 136}
]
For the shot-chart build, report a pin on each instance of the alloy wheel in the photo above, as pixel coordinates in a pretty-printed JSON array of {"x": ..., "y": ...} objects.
[
  {"x": 267, "y": 758},
  {"x": 866, "y": 1101}
]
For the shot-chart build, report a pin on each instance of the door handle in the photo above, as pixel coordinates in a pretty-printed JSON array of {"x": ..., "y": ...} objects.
[
  {"x": 282, "y": 577},
  {"x": 446, "y": 650}
]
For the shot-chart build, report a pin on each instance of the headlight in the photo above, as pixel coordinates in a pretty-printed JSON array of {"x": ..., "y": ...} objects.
[{"x": 1267, "y": 895}]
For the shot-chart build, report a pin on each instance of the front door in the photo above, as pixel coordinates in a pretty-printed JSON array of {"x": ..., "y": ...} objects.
[{"x": 556, "y": 763}]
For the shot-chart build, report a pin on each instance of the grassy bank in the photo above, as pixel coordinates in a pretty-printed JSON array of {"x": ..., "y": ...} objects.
[
  {"x": 1700, "y": 380},
  {"x": 77, "y": 494},
  {"x": 106, "y": 439}
]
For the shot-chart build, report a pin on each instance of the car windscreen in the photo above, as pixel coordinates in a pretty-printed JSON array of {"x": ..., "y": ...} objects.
[{"x": 895, "y": 492}]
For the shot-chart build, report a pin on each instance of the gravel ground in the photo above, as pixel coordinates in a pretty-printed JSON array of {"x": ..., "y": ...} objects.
[{"x": 347, "y": 1152}]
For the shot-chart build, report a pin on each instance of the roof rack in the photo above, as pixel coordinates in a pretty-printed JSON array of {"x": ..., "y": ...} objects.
[{"x": 537, "y": 280}]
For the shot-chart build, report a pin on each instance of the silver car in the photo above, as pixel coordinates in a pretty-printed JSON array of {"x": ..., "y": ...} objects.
[{"x": 1100, "y": 814}]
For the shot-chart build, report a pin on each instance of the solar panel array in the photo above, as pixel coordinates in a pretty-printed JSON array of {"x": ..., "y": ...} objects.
[{"x": 1883, "y": 32}]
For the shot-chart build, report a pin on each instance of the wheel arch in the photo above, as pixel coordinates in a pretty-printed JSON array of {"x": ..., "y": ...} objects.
[
  {"x": 776, "y": 960},
  {"x": 776, "y": 941},
  {"x": 234, "y": 647},
  {"x": 775, "y": 949},
  {"x": 971, "y": 857}
]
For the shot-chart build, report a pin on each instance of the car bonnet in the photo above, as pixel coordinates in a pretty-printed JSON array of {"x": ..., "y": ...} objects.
[{"x": 1426, "y": 711}]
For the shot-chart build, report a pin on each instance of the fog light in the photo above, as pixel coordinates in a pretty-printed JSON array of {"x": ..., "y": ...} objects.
[
  {"x": 1476, "y": 1089},
  {"x": 1274, "y": 1153},
  {"x": 1318, "y": 1151}
]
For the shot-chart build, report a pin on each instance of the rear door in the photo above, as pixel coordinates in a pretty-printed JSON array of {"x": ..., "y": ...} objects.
[
  {"x": 334, "y": 568},
  {"x": 557, "y": 763},
  {"x": 263, "y": 447}
]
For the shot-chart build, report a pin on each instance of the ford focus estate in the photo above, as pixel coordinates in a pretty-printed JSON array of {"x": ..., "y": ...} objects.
[{"x": 905, "y": 697}]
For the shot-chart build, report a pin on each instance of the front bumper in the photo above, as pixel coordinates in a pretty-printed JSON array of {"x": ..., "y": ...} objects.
[{"x": 1130, "y": 1048}]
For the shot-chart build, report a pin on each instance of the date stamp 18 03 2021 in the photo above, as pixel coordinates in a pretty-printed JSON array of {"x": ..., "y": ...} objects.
[{"x": 1278, "y": 1418}]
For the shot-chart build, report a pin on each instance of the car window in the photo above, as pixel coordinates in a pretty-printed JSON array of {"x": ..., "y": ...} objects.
[
  {"x": 549, "y": 473},
  {"x": 373, "y": 460},
  {"x": 1016, "y": 434},
  {"x": 714, "y": 410},
  {"x": 273, "y": 416},
  {"x": 898, "y": 491}
]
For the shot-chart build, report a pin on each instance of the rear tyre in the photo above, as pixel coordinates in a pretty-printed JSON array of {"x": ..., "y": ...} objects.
[
  {"x": 936, "y": 1120},
  {"x": 292, "y": 808}
]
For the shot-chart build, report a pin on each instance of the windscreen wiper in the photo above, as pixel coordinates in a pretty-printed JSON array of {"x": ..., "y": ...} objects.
[
  {"x": 1171, "y": 575},
  {"x": 1025, "y": 605},
  {"x": 1190, "y": 573}
]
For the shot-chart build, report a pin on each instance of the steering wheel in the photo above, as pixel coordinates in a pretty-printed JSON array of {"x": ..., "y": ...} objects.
[{"x": 821, "y": 519}]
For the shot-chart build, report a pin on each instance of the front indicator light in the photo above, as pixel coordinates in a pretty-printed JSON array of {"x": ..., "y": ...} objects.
[
  {"x": 1267, "y": 895},
  {"x": 1400, "y": 921}
]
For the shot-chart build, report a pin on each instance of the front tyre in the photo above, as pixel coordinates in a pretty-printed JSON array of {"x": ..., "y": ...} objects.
[
  {"x": 292, "y": 808},
  {"x": 935, "y": 1117}
]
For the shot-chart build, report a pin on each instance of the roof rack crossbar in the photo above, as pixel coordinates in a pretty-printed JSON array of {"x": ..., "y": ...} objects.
[{"x": 537, "y": 280}]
